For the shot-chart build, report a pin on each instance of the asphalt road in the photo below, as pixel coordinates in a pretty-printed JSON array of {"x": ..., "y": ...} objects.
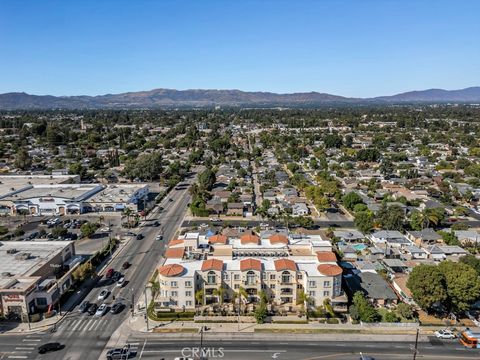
[
  {"x": 153, "y": 347},
  {"x": 86, "y": 336},
  {"x": 252, "y": 223}
]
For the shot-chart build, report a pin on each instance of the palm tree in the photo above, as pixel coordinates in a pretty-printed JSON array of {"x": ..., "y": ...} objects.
[
  {"x": 430, "y": 216},
  {"x": 242, "y": 293},
  {"x": 199, "y": 298},
  {"x": 127, "y": 213},
  {"x": 220, "y": 293},
  {"x": 304, "y": 300}
]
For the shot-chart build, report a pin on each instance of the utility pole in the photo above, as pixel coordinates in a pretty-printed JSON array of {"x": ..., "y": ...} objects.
[
  {"x": 415, "y": 348},
  {"x": 146, "y": 306}
]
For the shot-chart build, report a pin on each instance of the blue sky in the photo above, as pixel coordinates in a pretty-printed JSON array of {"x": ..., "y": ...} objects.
[{"x": 351, "y": 48}]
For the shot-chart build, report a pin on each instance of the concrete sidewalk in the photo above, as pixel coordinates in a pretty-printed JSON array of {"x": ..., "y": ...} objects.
[{"x": 138, "y": 324}]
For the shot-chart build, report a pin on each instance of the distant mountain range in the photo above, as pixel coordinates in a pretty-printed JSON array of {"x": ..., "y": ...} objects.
[{"x": 168, "y": 98}]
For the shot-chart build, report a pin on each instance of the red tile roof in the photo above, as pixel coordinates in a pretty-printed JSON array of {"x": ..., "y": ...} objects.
[
  {"x": 249, "y": 239},
  {"x": 218, "y": 239},
  {"x": 174, "y": 253},
  {"x": 329, "y": 269},
  {"x": 212, "y": 264},
  {"x": 175, "y": 242},
  {"x": 250, "y": 264},
  {"x": 326, "y": 256},
  {"x": 285, "y": 264},
  {"x": 171, "y": 270},
  {"x": 278, "y": 239}
]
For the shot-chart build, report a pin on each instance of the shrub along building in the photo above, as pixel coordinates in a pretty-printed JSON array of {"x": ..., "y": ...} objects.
[{"x": 280, "y": 265}]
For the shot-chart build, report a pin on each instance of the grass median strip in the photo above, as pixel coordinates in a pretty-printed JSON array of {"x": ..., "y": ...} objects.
[{"x": 175, "y": 330}]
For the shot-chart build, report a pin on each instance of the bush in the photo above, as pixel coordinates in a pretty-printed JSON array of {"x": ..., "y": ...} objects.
[
  {"x": 3, "y": 230},
  {"x": 391, "y": 317},
  {"x": 18, "y": 232},
  {"x": 35, "y": 318}
]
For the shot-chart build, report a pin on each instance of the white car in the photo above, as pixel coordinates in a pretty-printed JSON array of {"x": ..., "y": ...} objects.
[
  {"x": 104, "y": 294},
  {"x": 101, "y": 310},
  {"x": 159, "y": 237},
  {"x": 476, "y": 211},
  {"x": 445, "y": 334},
  {"x": 121, "y": 281}
]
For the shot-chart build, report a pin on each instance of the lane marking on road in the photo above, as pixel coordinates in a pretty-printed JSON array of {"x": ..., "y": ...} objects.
[
  {"x": 17, "y": 357},
  {"x": 99, "y": 323},
  {"x": 24, "y": 348},
  {"x": 28, "y": 340},
  {"x": 143, "y": 348},
  {"x": 224, "y": 350}
]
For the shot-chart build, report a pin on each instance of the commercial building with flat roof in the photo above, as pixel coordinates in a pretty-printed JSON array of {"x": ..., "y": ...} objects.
[
  {"x": 34, "y": 274},
  {"x": 62, "y": 199}
]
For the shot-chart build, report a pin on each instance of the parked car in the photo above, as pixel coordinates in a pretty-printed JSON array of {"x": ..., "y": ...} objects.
[
  {"x": 156, "y": 224},
  {"x": 84, "y": 306},
  {"x": 109, "y": 273},
  {"x": 125, "y": 265},
  {"x": 159, "y": 237},
  {"x": 121, "y": 282},
  {"x": 54, "y": 346},
  {"x": 103, "y": 294},
  {"x": 116, "y": 308},
  {"x": 101, "y": 310},
  {"x": 140, "y": 236},
  {"x": 445, "y": 334},
  {"x": 119, "y": 354}
]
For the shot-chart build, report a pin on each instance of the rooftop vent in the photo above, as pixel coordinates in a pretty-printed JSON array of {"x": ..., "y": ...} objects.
[
  {"x": 11, "y": 251},
  {"x": 22, "y": 256}
]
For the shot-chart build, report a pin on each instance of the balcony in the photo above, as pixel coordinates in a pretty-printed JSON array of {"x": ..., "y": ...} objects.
[{"x": 286, "y": 291}]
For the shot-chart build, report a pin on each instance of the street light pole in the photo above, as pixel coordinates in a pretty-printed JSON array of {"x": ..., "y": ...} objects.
[
  {"x": 146, "y": 306},
  {"x": 132, "y": 305},
  {"x": 415, "y": 349}
]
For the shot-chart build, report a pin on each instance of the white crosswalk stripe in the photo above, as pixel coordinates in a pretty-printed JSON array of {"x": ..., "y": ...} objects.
[{"x": 84, "y": 324}]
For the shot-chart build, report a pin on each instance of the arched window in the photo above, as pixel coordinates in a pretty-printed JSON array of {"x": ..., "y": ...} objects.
[
  {"x": 286, "y": 277},
  {"x": 211, "y": 278},
  {"x": 251, "y": 278}
]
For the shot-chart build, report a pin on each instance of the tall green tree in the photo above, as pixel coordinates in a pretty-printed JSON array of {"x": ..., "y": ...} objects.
[
  {"x": 351, "y": 199},
  {"x": 364, "y": 221},
  {"x": 23, "y": 161},
  {"x": 462, "y": 283},
  {"x": 427, "y": 284}
]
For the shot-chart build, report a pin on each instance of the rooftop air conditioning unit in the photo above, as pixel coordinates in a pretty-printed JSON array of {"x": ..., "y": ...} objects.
[{"x": 11, "y": 251}]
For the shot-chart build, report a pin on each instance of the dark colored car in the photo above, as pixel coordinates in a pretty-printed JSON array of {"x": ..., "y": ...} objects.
[
  {"x": 140, "y": 236},
  {"x": 49, "y": 347},
  {"x": 116, "y": 276},
  {"x": 125, "y": 265},
  {"x": 92, "y": 309},
  {"x": 156, "y": 224},
  {"x": 120, "y": 354},
  {"x": 116, "y": 308},
  {"x": 84, "y": 306}
]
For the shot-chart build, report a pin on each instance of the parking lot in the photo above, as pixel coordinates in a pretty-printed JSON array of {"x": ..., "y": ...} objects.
[{"x": 42, "y": 228}]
